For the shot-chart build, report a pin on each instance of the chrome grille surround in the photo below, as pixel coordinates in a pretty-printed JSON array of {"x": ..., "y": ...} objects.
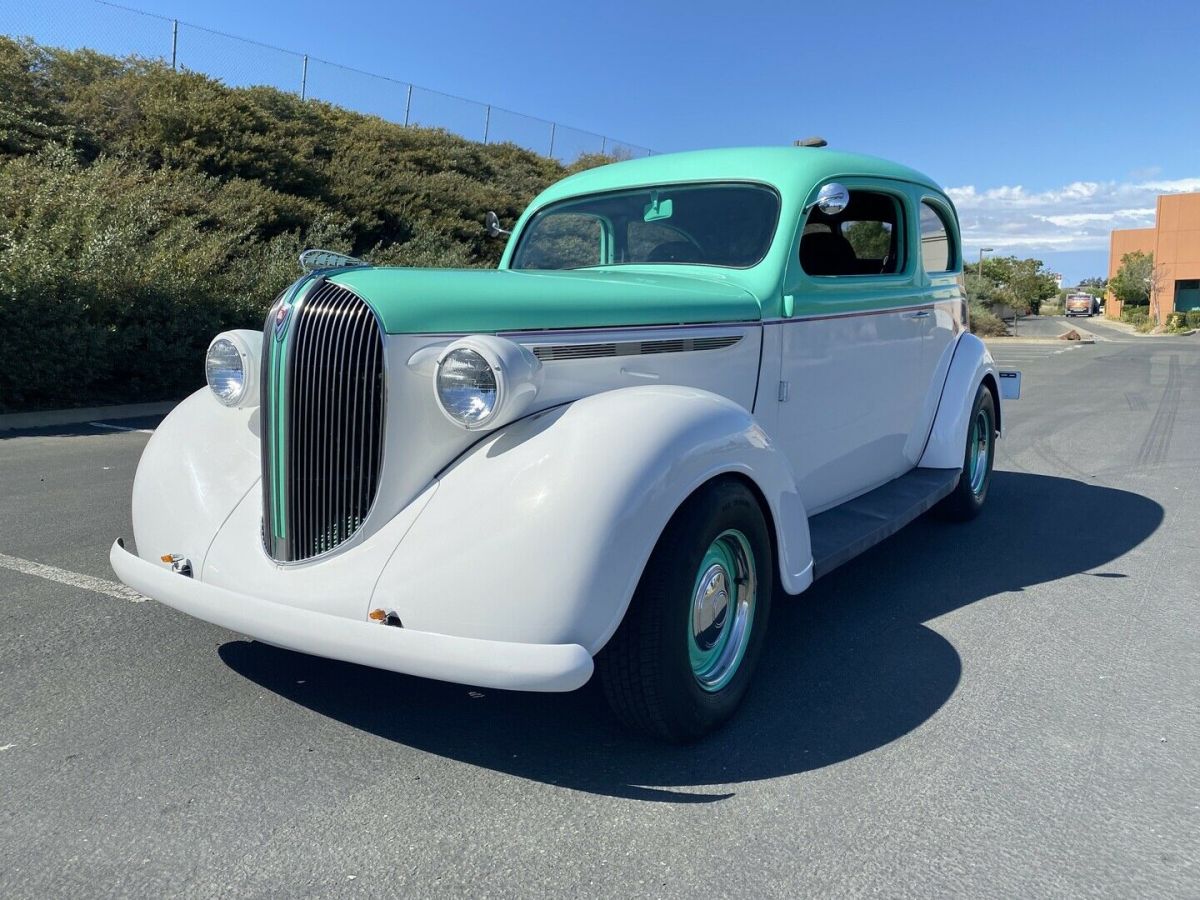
[{"x": 323, "y": 403}]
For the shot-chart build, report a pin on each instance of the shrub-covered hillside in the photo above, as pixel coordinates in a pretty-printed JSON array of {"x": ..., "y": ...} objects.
[{"x": 142, "y": 210}]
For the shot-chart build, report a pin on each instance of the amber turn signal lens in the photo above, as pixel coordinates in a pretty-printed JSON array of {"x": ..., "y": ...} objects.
[
  {"x": 167, "y": 557},
  {"x": 377, "y": 615}
]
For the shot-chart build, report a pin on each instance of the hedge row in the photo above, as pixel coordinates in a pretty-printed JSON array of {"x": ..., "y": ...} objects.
[{"x": 142, "y": 210}]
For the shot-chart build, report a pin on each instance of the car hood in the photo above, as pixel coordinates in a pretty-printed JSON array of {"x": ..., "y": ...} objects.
[{"x": 461, "y": 301}]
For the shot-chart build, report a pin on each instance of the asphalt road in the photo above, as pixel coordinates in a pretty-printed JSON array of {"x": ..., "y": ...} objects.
[
  {"x": 1053, "y": 326},
  {"x": 1005, "y": 708}
]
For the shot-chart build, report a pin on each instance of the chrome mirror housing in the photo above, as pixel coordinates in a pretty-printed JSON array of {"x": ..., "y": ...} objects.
[
  {"x": 833, "y": 198},
  {"x": 491, "y": 222}
]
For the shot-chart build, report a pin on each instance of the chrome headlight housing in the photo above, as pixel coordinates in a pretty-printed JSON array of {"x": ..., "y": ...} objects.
[
  {"x": 483, "y": 381},
  {"x": 231, "y": 368}
]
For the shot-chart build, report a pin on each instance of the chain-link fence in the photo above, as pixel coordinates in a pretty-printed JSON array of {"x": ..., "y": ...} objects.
[{"x": 238, "y": 62}]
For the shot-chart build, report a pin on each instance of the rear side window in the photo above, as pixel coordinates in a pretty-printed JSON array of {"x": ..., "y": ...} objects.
[
  {"x": 866, "y": 238},
  {"x": 936, "y": 253}
]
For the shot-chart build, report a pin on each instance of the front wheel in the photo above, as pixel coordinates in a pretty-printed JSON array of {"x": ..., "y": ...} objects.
[
  {"x": 683, "y": 657},
  {"x": 966, "y": 500}
]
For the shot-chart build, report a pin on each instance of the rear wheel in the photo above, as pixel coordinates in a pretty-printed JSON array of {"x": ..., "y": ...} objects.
[
  {"x": 683, "y": 657},
  {"x": 967, "y": 499}
]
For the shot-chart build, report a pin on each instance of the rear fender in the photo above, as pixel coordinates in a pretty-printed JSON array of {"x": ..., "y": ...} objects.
[{"x": 972, "y": 366}]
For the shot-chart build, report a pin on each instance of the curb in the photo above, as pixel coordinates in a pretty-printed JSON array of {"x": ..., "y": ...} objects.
[
  {"x": 1084, "y": 339},
  {"x": 51, "y": 417}
]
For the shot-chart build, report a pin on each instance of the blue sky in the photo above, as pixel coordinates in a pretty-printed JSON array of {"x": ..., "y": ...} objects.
[{"x": 1050, "y": 122}]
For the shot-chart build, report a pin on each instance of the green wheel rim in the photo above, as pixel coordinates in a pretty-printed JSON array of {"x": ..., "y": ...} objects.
[
  {"x": 721, "y": 612},
  {"x": 979, "y": 451}
]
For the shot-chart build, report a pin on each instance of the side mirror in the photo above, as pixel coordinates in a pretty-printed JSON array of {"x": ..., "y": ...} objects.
[
  {"x": 492, "y": 223},
  {"x": 833, "y": 198}
]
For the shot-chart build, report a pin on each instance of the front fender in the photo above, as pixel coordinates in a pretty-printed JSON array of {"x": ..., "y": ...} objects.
[
  {"x": 539, "y": 533},
  {"x": 202, "y": 459},
  {"x": 971, "y": 366}
]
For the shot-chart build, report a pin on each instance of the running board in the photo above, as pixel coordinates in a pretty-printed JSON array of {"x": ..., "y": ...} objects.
[{"x": 842, "y": 533}]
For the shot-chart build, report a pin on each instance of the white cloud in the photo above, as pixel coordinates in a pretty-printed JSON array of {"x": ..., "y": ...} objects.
[{"x": 1076, "y": 216}]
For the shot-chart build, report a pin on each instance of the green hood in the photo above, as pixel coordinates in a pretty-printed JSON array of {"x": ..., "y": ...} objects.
[{"x": 459, "y": 301}]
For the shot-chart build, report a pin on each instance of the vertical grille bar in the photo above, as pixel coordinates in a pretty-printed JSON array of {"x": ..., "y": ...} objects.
[{"x": 330, "y": 424}]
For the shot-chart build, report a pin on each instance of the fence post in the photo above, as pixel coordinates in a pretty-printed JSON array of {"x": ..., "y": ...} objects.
[
  {"x": 407, "y": 105},
  {"x": 304, "y": 78},
  {"x": 553, "y": 126},
  {"x": 174, "y": 42},
  {"x": 487, "y": 122},
  {"x": 603, "y": 145}
]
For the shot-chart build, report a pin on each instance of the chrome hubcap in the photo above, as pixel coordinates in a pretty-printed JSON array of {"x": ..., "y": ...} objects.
[
  {"x": 979, "y": 451},
  {"x": 722, "y": 610}
]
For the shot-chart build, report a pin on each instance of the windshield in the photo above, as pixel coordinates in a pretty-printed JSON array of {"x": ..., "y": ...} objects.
[{"x": 727, "y": 225}]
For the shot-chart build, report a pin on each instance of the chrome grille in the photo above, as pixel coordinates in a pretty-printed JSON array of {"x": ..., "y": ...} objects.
[{"x": 323, "y": 423}]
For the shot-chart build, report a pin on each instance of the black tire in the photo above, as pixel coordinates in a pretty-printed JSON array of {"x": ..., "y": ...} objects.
[
  {"x": 968, "y": 498},
  {"x": 646, "y": 669}
]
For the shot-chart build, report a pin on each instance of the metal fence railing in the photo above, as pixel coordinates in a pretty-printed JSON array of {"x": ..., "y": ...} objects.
[{"x": 239, "y": 62}]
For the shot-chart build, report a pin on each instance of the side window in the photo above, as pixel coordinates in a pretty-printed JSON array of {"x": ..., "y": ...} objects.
[
  {"x": 936, "y": 253},
  {"x": 866, "y": 238}
]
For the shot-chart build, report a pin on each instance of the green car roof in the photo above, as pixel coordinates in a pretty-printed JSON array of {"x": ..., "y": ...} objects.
[
  {"x": 787, "y": 168},
  {"x": 440, "y": 300}
]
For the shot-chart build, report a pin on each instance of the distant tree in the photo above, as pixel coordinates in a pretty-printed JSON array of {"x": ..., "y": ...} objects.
[
  {"x": 1020, "y": 284},
  {"x": 1138, "y": 282},
  {"x": 1094, "y": 285}
]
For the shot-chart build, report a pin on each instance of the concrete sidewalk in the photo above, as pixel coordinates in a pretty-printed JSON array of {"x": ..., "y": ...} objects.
[{"x": 52, "y": 417}]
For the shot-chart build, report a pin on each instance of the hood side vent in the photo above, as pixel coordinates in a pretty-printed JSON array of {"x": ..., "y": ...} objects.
[{"x": 555, "y": 352}]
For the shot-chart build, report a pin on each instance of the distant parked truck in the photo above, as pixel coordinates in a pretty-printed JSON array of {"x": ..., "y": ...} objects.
[{"x": 1082, "y": 305}]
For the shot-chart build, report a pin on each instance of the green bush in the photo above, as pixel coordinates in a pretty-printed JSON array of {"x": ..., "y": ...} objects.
[
  {"x": 1192, "y": 318},
  {"x": 142, "y": 210},
  {"x": 986, "y": 323},
  {"x": 1135, "y": 315}
]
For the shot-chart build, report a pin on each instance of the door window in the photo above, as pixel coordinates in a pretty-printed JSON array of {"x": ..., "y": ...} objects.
[{"x": 866, "y": 238}]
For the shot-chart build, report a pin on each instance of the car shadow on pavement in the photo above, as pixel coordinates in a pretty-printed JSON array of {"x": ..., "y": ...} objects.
[{"x": 849, "y": 666}]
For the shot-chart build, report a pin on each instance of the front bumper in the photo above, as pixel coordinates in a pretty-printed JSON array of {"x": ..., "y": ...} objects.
[{"x": 493, "y": 664}]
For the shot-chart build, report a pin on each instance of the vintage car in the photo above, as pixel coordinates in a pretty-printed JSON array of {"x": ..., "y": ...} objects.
[{"x": 696, "y": 383}]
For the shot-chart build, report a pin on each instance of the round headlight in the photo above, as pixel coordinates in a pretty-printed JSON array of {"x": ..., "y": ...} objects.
[
  {"x": 468, "y": 388},
  {"x": 231, "y": 366}
]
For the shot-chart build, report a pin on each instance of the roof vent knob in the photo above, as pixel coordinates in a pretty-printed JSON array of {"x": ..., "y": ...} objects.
[{"x": 814, "y": 141}]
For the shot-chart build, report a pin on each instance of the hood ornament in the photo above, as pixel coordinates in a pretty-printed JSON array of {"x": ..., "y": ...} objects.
[{"x": 312, "y": 260}]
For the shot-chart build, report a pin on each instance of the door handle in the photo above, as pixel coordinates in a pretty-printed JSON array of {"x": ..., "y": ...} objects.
[{"x": 921, "y": 314}]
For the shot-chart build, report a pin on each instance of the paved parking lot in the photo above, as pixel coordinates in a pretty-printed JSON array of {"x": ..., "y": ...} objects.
[{"x": 1006, "y": 708}]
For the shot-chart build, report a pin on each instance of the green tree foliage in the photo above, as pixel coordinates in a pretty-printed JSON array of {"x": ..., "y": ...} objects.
[
  {"x": 1134, "y": 279},
  {"x": 870, "y": 240},
  {"x": 1019, "y": 284},
  {"x": 142, "y": 210}
]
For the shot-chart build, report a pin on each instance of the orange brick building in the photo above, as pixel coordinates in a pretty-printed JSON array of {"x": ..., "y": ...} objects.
[{"x": 1175, "y": 242}]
